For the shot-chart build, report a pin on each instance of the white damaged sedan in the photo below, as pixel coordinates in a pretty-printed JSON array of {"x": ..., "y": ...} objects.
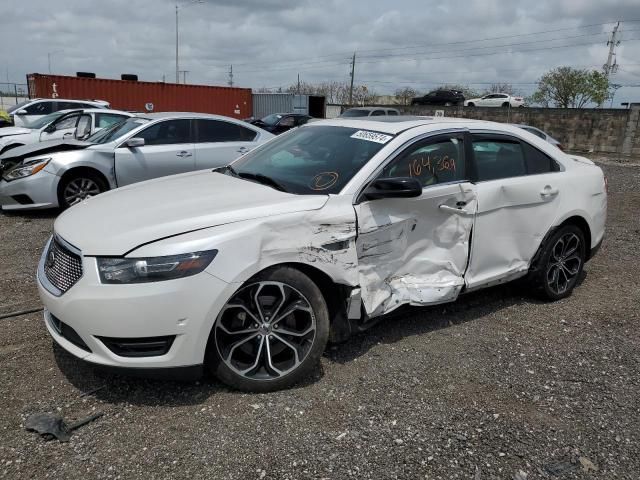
[{"x": 248, "y": 270}]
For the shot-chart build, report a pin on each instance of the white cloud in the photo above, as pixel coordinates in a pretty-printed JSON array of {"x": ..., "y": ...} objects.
[{"x": 270, "y": 42}]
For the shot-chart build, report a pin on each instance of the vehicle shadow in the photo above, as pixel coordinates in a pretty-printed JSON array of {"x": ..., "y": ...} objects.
[
  {"x": 32, "y": 214},
  {"x": 115, "y": 389}
]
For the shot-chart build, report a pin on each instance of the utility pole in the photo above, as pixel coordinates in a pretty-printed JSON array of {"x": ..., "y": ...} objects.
[
  {"x": 177, "y": 71},
  {"x": 49, "y": 61},
  {"x": 611, "y": 66},
  {"x": 184, "y": 75},
  {"x": 230, "y": 82},
  {"x": 298, "y": 84},
  {"x": 353, "y": 69}
]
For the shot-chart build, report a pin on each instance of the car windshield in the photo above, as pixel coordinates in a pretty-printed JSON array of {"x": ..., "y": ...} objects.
[
  {"x": 315, "y": 160},
  {"x": 18, "y": 106},
  {"x": 271, "y": 119},
  {"x": 116, "y": 130},
  {"x": 44, "y": 121},
  {"x": 355, "y": 112}
]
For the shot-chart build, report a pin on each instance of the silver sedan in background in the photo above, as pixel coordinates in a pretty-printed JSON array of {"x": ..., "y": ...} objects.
[{"x": 62, "y": 173}]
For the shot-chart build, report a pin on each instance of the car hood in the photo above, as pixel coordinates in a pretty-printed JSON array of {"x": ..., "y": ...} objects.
[
  {"x": 8, "y": 131},
  {"x": 44, "y": 147},
  {"x": 116, "y": 222}
]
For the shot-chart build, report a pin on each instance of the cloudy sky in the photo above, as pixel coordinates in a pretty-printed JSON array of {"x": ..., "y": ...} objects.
[{"x": 416, "y": 43}]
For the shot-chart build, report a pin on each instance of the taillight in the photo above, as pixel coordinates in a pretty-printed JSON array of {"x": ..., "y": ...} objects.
[
  {"x": 518, "y": 99},
  {"x": 559, "y": 145}
]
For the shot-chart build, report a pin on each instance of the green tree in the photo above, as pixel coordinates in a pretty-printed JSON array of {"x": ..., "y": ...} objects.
[{"x": 567, "y": 87}]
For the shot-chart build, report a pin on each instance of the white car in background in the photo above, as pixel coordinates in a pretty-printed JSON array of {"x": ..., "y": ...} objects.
[
  {"x": 248, "y": 270},
  {"x": 495, "y": 100},
  {"x": 65, "y": 124},
  {"x": 35, "y": 108},
  {"x": 65, "y": 172}
]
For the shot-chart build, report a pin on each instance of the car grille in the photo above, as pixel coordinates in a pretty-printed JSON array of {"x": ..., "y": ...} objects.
[{"x": 62, "y": 267}]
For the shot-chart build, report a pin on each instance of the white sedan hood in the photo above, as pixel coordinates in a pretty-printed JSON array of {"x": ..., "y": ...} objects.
[
  {"x": 10, "y": 131},
  {"x": 117, "y": 222}
]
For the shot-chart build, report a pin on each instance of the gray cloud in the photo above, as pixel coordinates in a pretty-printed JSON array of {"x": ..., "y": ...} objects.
[{"x": 270, "y": 42}]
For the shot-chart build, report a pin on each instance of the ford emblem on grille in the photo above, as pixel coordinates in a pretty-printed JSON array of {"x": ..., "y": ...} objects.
[{"x": 51, "y": 258}]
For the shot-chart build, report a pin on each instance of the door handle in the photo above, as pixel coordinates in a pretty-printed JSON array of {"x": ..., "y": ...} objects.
[
  {"x": 458, "y": 211},
  {"x": 68, "y": 134},
  {"x": 549, "y": 191},
  {"x": 183, "y": 154},
  {"x": 242, "y": 150}
]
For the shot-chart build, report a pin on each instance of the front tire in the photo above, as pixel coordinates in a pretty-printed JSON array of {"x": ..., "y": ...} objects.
[
  {"x": 271, "y": 333},
  {"x": 79, "y": 186},
  {"x": 471, "y": 104},
  {"x": 560, "y": 264}
]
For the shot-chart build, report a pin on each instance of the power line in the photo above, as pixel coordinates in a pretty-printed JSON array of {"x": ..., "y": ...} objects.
[{"x": 345, "y": 54}]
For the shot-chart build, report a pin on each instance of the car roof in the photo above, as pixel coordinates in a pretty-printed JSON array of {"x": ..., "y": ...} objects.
[
  {"x": 159, "y": 115},
  {"x": 396, "y": 124},
  {"x": 95, "y": 110}
]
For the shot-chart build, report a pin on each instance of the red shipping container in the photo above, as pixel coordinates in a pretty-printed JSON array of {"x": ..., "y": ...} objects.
[{"x": 145, "y": 96}]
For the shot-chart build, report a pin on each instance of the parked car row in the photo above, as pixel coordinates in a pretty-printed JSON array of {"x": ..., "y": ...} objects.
[{"x": 455, "y": 97}]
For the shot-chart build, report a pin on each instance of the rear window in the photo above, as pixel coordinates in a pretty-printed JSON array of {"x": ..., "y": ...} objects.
[
  {"x": 496, "y": 159},
  {"x": 538, "y": 162},
  {"x": 355, "y": 112}
]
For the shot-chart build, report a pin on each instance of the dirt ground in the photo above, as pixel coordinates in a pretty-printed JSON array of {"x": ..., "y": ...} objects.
[{"x": 495, "y": 386}]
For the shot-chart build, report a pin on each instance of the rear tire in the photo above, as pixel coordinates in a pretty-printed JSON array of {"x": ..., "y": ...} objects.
[
  {"x": 79, "y": 186},
  {"x": 271, "y": 333},
  {"x": 560, "y": 264},
  {"x": 471, "y": 104},
  {"x": 506, "y": 105}
]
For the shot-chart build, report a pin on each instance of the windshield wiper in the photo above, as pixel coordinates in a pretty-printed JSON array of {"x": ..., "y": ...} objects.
[{"x": 260, "y": 178}]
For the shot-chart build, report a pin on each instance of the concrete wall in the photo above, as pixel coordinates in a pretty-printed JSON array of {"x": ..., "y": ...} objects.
[{"x": 613, "y": 131}]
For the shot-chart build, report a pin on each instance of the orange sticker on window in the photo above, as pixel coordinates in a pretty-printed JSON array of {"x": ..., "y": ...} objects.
[{"x": 324, "y": 180}]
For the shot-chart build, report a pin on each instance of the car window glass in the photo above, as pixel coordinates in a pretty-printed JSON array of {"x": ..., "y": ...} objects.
[
  {"x": 287, "y": 122},
  {"x": 431, "y": 161},
  {"x": 392, "y": 112},
  {"x": 83, "y": 129},
  {"x": 316, "y": 160},
  {"x": 69, "y": 106},
  {"x": 104, "y": 120},
  {"x": 302, "y": 120},
  {"x": 537, "y": 161},
  {"x": 377, "y": 113},
  {"x": 40, "y": 108},
  {"x": 536, "y": 132},
  {"x": 220, "y": 131},
  {"x": 67, "y": 122},
  {"x": 166, "y": 133},
  {"x": 496, "y": 159}
]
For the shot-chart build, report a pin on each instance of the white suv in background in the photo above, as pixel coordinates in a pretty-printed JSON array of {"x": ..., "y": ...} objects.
[
  {"x": 30, "y": 110},
  {"x": 495, "y": 100}
]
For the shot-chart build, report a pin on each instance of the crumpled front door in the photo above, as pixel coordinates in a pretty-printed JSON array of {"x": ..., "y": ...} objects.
[{"x": 414, "y": 250}]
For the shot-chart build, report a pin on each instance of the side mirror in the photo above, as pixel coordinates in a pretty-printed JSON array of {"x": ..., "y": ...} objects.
[
  {"x": 50, "y": 128},
  {"x": 134, "y": 142},
  {"x": 395, "y": 187},
  {"x": 21, "y": 112}
]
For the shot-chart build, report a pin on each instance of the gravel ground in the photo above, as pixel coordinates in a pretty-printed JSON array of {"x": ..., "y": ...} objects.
[{"x": 496, "y": 386}]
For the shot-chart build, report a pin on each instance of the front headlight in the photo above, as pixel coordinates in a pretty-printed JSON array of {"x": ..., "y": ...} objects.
[
  {"x": 26, "y": 169},
  {"x": 153, "y": 269}
]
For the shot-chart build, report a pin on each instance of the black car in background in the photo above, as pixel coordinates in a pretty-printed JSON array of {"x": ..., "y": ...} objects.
[
  {"x": 440, "y": 97},
  {"x": 277, "y": 123}
]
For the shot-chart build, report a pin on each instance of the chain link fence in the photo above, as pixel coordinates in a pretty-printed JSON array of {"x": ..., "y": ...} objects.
[{"x": 12, "y": 93}]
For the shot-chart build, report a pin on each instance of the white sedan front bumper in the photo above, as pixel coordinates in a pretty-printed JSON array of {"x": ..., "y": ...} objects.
[{"x": 100, "y": 315}]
